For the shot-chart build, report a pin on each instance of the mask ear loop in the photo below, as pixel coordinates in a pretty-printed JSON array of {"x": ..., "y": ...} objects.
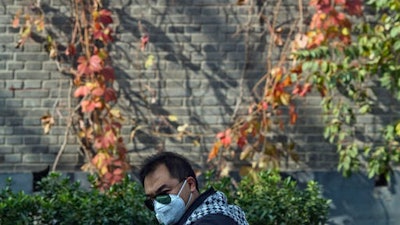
[
  {"x": 183, "y": 185},
  {"x": 190, "y": 196}
]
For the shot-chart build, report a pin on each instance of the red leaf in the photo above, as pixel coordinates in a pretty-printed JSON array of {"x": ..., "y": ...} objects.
[
  {"x": 225, "y": 137},
  {"x": 297, "y": 89},
  {"x": 83, "y": 67},
  {"x": 110, "y": 95},
  {"x": 81, "y": 91},
  {"x": 144, "y": 41},
  {"x": 340, "y": 2},
  {"x": 71, "y": 50},
  {"x": 103, "y": 34},
  {"x": 241, "y": 141},
  {"x": 108, "y": 73},
  {"x": 104, "y": 142},
  {"x": 321, "y": 5},
  {"x": 264, "y": 105},
  {"x": 354, "y": 7},
  {"x": 95, "y": 63},
  {"x": 105, "y": 17},
  {"x": 306, "y": 88}
]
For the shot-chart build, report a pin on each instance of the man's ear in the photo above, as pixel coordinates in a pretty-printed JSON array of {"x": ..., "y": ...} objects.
[{"x": 192, "y": 184}]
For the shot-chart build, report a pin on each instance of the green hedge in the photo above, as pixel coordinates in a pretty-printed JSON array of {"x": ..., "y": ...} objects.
[
  {"x": 268, "y": 199},
  {"x": 61, "y": 202}
]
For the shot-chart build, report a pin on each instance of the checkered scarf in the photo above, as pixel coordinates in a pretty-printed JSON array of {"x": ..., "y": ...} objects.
[{"x": 218, "y": 204}]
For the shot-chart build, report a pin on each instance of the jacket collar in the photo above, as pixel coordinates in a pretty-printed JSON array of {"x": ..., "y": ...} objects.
[{"x": 195, "y": 205}]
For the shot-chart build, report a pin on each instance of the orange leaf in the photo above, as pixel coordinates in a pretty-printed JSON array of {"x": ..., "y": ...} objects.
[
  {"x": 89, "y": 106},
  {"x": 15, "y": 22},
  {"x": 214, "y": 151},
  {"x": 118, "y": 171},
  {"x": 81, "y": 91},
  {"x": 293, "y": 114},
  {"x": 99, "y": 91}
]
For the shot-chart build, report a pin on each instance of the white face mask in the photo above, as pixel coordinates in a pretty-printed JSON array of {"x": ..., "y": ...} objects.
[{"x": 168, "y": 214}]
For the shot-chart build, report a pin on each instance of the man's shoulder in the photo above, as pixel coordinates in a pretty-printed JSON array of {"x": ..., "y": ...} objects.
[{"x": 215, "y": 219}]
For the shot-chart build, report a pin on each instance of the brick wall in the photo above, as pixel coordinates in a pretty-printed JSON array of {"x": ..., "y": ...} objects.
[{"x": 201, "y": 63}]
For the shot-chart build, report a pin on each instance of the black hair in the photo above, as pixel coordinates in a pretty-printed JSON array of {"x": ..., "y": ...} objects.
[{"x": 177, "y": 165}]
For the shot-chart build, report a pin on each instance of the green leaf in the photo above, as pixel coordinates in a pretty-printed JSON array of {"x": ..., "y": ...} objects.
[
  {"x": 325, "y": 67},
  {"x": 365, "y": 108},
  {"x": 395, "y": 31},
  {"x": 396, "y": 45}
]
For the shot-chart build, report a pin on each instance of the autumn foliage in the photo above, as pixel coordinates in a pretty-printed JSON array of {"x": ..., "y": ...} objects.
[
  {"x": 286, "y": 80},
  {"x": 95, "y": 122}
]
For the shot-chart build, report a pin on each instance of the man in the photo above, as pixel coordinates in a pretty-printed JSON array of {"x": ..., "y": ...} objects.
[{"x": 172, "y": 192}]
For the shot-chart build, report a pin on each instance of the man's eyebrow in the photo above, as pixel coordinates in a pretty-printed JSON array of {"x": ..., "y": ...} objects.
[{"x": 159, "y": 190}]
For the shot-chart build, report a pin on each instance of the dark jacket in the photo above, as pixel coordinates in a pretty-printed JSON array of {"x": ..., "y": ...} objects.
[{"x": 211, "y": 208}]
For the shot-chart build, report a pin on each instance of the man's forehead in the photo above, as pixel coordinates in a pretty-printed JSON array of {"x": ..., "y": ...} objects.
[{"x": 156, "y": 179}]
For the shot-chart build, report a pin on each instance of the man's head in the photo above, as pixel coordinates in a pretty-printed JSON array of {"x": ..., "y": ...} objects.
[{"x": 166, "y": 173}]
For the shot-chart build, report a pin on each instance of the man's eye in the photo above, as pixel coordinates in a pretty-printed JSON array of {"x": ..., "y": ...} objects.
[{"x": 162, "y": 193}]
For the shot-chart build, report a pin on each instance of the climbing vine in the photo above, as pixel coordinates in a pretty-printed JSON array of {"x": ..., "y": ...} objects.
[
  {"x": 85, "y": 58},
  {"x": 340, "y": 60}
]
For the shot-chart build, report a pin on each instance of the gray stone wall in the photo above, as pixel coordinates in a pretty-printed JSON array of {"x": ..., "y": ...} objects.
[{"x": 205, "y": 63}]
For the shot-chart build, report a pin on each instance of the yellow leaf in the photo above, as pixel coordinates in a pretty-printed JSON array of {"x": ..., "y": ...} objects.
[
  {"x": 398, "y": 129},
  {"x": 345, "y": 31},
  {"x": 196, "y": 143},
  {"x": 47, "y": 123},
  {"x": 285, "y": 98},
  {"x": 246, "y": 152},
  {"x": 172, "y": 118},
  {"x": 25, "y": 32},
  {"x": 226, "y": 170},
  {"x": 39, "y": 24},
  {"x": 149, "y": 61},
  {"x": 182, "y": 128},
  {"x": 116, "y": 113},
  {"x": 103, "y": 170}
]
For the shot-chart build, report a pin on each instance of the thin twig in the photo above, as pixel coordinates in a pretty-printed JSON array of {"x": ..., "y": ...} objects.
[{"x": 69, "y": 124}]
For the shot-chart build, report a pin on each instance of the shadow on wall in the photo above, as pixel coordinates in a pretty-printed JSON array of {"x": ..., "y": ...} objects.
[
  {"x": 187, "y": 61},
  {"x": 150, "y": 104},
  {"x": 356, "y": 200},
  {"x": 23, "y": 147}
]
